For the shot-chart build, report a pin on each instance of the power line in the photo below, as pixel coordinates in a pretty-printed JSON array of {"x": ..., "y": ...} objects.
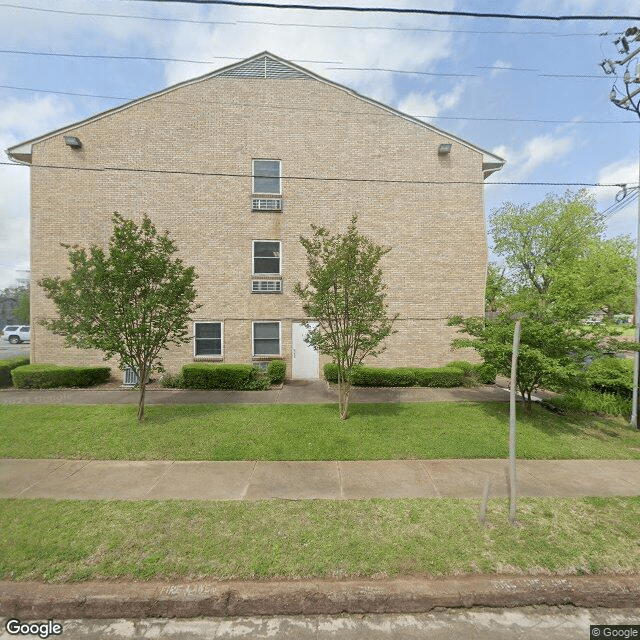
[
  {"x": 221, "y": 174},
  {"x": 341, "y": 68},
  {"x": 153, "y": 59},
  {"x": 397, "y": 10},
  {"x": 299, "y": 24},
  {"x": 336, "y": 111}
]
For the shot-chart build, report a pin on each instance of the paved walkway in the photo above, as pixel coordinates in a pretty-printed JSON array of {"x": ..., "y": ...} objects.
[
  {"x": 345, "y": 480},
  {"x": 293, "y": 392}
]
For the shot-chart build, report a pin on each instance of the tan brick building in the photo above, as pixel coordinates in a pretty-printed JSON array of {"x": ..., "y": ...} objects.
[{"x": 236, "y": 165}]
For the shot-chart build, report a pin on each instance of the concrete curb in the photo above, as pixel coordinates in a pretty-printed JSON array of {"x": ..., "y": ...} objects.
[{"x": 30, "y": 600}]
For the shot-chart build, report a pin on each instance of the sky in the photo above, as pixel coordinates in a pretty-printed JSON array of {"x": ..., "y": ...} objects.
[{"x": 530, "y": 91}]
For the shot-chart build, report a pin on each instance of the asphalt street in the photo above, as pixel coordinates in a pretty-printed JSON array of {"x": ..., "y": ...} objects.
[{"x": 8, "y": 350}]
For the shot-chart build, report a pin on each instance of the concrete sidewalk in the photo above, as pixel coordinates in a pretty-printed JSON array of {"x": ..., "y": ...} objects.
[
  {"x": 343, "y": 480},
  {"x": 292, "y": 392}
]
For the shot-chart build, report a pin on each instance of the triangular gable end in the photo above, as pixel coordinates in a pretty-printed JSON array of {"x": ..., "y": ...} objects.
[
  {"x": 263, "y": 67},
  {"x": 268, "y": 66}
]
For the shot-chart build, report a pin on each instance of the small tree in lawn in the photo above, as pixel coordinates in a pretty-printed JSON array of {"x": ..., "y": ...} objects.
[
  {"x": 346, "y": 295},
  {"x": 131, "y": 302},
  {"x": 552, "y": 347}
]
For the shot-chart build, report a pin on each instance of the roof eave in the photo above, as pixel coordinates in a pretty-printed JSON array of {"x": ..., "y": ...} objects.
[
  {"x": 489, "y": 167},
  {"x": 21, "y": 153}
]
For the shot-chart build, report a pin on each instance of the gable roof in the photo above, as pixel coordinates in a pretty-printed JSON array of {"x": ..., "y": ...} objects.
[{"x": 262, "y": 65}]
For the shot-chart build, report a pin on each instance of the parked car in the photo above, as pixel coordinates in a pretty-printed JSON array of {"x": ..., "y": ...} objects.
[{"x": 16, "y": 334}]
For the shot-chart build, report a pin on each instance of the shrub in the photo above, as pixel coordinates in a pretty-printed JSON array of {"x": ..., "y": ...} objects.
[
  {"x": 171, "y": 381},
  {"x": 276, "y": 371},
  {"x": 220, "y": 376},
  {"x": 7, "y": 366},
  {"x": 379, "y": 377},
  {"x": 398, "y": 377},
  {"x": 462, "y": 365},
  {"x": 439, "y": 377},
  {"x": 611, "y": 375},
  {"x": 589, "y": 401},
  {"x": 50, "y": 376},
  {"x": 475, "y": 374},
  {"x": 330, "y": 371},
  {"x": 487, "y": 373}
]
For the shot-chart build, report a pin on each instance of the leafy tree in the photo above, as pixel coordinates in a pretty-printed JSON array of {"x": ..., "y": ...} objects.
[
  {"x": 498, "y": 287},
  {"x": 346, "y": 295},
  {"x": 559, "y": 271},
  {"x": 552, "y": 348},
  {"x": 19, "y": 295},
  {"x": 556, "y": 249},
  {"x": 603, "y": 279},
  {"x": 130, "y": 302},
  {"x": 22, "y": 310},
  {"x": 536, "y": 241}
]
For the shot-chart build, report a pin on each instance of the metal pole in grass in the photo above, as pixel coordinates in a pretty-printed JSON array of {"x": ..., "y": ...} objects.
[{"x": 512, "y": 425}]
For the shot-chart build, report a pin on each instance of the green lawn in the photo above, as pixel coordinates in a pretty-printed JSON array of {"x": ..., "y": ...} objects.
[
  {"x": 76, "y": 540},
  {"x": 306, "y": 432}
]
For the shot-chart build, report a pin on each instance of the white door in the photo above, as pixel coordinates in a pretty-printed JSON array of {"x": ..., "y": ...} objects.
[{"x": 304, "y": 358}]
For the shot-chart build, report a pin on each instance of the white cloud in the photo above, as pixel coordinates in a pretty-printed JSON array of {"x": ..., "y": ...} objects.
[
  {"x": 499, "y": 67},
  {"x": 538, "y": 151},
  {"x": 358, "y": 47},
  {"x": 19, "y": 121},
  {"x": 431, "y": 104}
]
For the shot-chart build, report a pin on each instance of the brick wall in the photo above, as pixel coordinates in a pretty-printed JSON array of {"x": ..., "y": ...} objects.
[{"x": 436, "y": 231}]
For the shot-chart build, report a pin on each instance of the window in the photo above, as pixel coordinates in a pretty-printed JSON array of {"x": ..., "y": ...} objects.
[
  {"x": 207, "y": 338},
  {"x": 266, "y": 176},
  {"x": 266, "y": 257},
  {"x": 266, "y": 338}
]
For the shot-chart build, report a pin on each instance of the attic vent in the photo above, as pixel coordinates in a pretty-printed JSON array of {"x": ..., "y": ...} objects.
[
  {"x": 260, "y": 204},
  {"x": 266, "y": 286},
  {"x": 263, "y": 68}
]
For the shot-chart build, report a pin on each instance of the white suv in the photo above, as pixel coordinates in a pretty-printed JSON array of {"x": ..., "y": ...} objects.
[{"x": 16, "y": 334}]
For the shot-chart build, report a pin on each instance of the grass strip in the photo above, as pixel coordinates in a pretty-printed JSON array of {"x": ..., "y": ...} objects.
[
  {"x": 75, "y": 540},
  {"x": 307, "y": 432}
]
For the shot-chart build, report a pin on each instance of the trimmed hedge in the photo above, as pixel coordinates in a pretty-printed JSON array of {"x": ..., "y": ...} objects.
[
  {"x": 456, "y": 374},
  {"x": 276, "y": 371},
  {"x": 483, "y": 373},
  {"x": 220, "y": 376},
  {"x": 399, "y": 377},
  {"x": 50, "y": 376},
  {"x": 439, "y": 377},
  {"x": 378, "y": 377},
  {"x": 7, "y": 366}
]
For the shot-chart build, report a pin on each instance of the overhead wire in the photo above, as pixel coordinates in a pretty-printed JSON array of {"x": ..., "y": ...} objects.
[
  {"x": 333, "y": 111},
  {"x": 398, "y": 10},
  {"x": 298, "y": 24},
  {"x": 224, "y": 174},
  {"x": 100, "y": 56}
]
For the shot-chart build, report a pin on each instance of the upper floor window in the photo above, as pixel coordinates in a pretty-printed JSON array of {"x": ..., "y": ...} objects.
[
  {"x": 266, "y": 257},
  {"x": 266, "y": 177}
]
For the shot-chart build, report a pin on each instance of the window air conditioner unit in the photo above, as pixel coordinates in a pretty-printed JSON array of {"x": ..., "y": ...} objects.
[
  {"x": 130, "y": 377},
  {"x": 270, "y": 204},
  {"x": 266, "y": 286}
]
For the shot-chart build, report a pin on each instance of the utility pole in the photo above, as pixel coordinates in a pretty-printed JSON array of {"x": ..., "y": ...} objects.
[{"x": 630, "y": 100}]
